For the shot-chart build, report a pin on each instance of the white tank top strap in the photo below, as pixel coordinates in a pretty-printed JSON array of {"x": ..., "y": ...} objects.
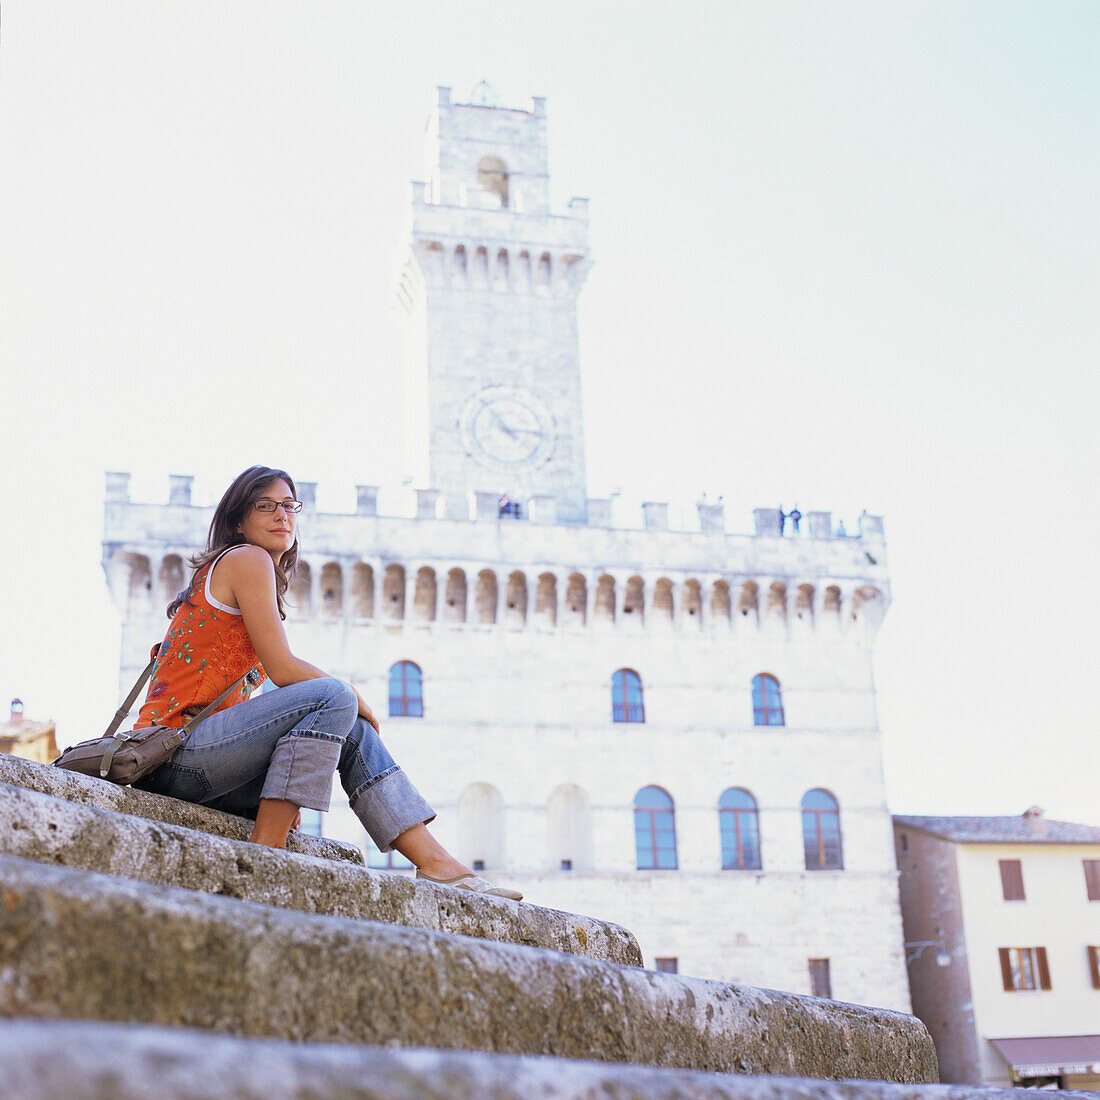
[{"x": 206, "y": 587}]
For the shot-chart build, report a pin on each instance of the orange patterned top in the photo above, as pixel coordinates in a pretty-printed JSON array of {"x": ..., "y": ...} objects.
[{"x": 206, "y": 648}]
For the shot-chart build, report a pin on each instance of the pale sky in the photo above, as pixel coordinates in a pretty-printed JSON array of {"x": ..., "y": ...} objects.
[{"x": 846, "y": 257}]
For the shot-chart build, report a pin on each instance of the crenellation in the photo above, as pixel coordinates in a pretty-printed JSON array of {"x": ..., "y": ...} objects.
[
  {"x": 599, "y": 512},
  {"x": 767, "y": 521},
  {"x": 118, "y": 486},
  {"x": 179, "y": 489},
  {"x": 307, "y": 494},
  {"x": 427, "y": 503},
  {"x": 366, "y": 500}
]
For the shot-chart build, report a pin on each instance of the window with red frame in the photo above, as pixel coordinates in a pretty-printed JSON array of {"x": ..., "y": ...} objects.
[
  {"x": 821, "y": 831},
  {"x": 626, "y": 697},
  {"x": 1024, "y": 968},
  {"x": 739, "y": 830},
  {"x": 406, "y": 690},
  {"x": 767, "y": 701},
  {"x": 654, "y": 830}
]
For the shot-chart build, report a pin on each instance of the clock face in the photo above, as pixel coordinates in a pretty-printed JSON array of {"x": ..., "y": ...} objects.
[{"x": 507, "y": 426}]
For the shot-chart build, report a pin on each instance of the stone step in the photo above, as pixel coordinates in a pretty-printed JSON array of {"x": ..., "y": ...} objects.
[
  {"x": 56, "y": 831},
  {"x": 126, "y": 800},
  {"x": 78, "y": 944},
  {"x": 87, "y": 1061}
]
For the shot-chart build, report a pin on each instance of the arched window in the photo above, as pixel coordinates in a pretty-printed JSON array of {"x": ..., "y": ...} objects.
[
  {"x": 739, "y": 826},
  {"x": 654, "y": 830},
  {"x": 362, "y": 590},
  {"x": 576, "y": 598},
  {"x": 424, "y": 598},
  {"x": 332, "y": 589},
  {"x": 546, "y": 598},
  {"x": 821, "y": 831},
  {"x": 455, "y": 611},
  {"x": 626, "y": 697},
  {"x": 492, "y": 177},
  {"x": 171, "y": 577},
  {"x": 634, "y": 599},
  {"x": 767, "y": 703},
  {"x": 406, "y": 691},
  {"x": 393, "y": 591}
]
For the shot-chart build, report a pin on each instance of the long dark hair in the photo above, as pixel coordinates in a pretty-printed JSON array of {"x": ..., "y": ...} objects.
[{"x": 228, "y": 516}]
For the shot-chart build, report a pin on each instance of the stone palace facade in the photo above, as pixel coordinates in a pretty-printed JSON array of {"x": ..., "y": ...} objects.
[{"x": 674, "y": 730}]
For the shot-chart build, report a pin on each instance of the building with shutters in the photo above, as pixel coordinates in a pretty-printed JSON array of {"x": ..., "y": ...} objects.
[
  {"x": 1002, "y": 927},
  {"x": 672, "y": 728}
]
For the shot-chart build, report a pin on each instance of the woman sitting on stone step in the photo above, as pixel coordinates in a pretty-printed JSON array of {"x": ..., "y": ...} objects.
[{"x": 268, "y": 756}]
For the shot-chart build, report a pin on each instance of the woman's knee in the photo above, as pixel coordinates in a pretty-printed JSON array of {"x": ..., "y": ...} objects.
[
  {"x": 338, "y": 698},
  {"x": 338, "y": 694}
]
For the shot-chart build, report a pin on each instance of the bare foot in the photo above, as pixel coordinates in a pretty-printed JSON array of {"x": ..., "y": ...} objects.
[{"x": 444, "y": 868}]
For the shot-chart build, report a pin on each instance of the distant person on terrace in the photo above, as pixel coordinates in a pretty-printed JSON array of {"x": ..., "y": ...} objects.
[{"x": 268, "y": 756}]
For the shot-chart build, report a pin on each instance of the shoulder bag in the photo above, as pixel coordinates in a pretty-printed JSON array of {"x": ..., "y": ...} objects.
[{"x": 127, "y": 755}]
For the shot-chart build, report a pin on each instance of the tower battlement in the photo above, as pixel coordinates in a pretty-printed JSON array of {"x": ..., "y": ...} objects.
[{"x": 479, "y": 154}]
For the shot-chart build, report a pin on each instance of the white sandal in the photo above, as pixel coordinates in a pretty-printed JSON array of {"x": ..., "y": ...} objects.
[{"x": 474, "y": 883}]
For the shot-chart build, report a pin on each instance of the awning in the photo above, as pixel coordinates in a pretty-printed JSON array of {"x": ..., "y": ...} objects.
[{"x": 1050, "y": 1055}]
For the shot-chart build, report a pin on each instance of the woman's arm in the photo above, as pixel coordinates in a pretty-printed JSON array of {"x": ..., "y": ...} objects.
[{"x": 249, "y": 574}]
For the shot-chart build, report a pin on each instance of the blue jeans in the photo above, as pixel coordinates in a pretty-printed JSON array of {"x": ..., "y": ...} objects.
[{"x": 286, "y": 744}]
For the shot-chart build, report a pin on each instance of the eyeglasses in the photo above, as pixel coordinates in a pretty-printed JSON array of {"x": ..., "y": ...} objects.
[{"x": 266, "y": 505}]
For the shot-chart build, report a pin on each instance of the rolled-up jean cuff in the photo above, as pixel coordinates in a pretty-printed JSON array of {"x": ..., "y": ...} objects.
[
  {"x": 301, "y": 770},
  {"x": 390, "y": 807}
]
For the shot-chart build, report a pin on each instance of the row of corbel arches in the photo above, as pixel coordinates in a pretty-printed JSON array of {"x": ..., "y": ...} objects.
[
  {"x": 360, "y": 590},
  {"x": 497, "y": 267},
  {"x": 392, "y": 592}
]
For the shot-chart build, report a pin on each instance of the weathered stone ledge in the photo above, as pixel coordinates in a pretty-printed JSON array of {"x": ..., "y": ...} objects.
[
  {"x": 87, "y": 1061},
  {"x": 55, "y": 831},
  {"x": 126, "y": 800},
  {"x": 76, "y": 944}
]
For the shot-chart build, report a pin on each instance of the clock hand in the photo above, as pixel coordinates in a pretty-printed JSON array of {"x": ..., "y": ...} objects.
[{"x": 500, "y": 422}]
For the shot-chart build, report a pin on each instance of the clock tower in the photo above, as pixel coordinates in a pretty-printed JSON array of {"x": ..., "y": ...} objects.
[{"x": 488, "y": 292}]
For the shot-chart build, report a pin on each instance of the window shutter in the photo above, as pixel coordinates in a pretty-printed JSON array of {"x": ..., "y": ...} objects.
[
  {"x": 1006, "y": 969},
  {"x": 1092, "y": 878},
  {"x": 1094, "y": 966},
  {"x": 1012, "y": 880},
  {"x": 1044, "y": 970}
]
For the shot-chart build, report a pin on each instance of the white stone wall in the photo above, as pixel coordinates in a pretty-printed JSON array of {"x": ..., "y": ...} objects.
[{"x": 524, "y": 707}]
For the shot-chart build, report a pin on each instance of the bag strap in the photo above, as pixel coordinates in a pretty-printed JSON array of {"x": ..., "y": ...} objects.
[{"x": 124, "y": 710}]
